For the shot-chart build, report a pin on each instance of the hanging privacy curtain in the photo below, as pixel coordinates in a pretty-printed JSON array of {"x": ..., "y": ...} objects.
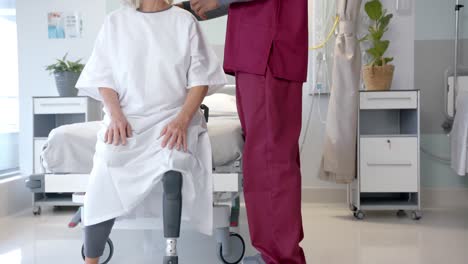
[{"x": 339, "y": 154}]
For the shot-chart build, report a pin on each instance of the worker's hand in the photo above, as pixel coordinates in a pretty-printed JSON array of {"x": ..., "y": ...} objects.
[
  {"x": 200, "y": 7},
  {"x": 118, "y": 130},
  {"x": 175, "y": 134}
]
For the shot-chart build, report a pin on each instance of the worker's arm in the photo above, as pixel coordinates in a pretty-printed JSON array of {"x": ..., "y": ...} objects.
[
  {"x": 119, "y": 129},
  {"x": 209, "y": 9},
  {"x": 175, "y": 133}
]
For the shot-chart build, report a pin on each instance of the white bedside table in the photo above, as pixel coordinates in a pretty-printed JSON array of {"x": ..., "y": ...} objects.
[{"x": 388, "y": 165}]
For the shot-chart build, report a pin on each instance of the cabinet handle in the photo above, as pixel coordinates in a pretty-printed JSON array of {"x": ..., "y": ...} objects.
[
  {"x": 390, "y": 98},
  {"x": 60, "y": 104},
  {"x": 401, "y": 164}
]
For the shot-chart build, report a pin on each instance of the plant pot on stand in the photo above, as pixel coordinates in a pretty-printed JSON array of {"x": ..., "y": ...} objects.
[
  {"x": 66, "y": 75},
  {"x": 66, "y": 82},
  {"x": 378, "y": 78},
  {"x": 378, "y": 73}
]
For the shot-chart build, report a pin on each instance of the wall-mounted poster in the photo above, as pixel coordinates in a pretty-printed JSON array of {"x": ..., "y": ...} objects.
[{"x": 64, "y": 25}]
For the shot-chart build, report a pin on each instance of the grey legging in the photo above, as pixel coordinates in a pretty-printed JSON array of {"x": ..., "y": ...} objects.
[{"x": 95, "y": 238}]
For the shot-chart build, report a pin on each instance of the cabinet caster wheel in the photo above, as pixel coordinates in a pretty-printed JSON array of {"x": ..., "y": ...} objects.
[
  {"x": 401, "y": 213},
  {"x": 352, "y": 208},
  {"x": 106, "y": 256},
  {"x": 237, "y": 250},
  {"x": 359, "y": 215},
  {"x": 171, "y": 260},
  {"x": 37, "y": 210},
  {"x": 415, "y": 215}
]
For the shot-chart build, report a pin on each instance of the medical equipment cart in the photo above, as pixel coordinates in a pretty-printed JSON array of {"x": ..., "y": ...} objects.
[{"x": 388, "y": 162}]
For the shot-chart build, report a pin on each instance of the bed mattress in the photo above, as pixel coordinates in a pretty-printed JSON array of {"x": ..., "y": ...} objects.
[{"x": 70, "y": 148}]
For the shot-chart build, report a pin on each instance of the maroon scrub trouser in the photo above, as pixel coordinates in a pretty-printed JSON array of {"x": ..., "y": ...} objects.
[{"x": 270, "y": 111}]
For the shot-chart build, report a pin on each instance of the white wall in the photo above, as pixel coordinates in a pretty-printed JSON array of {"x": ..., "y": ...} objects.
[
  {"x": 436, "y": 19},
  {"x": 36, "y": 51}
]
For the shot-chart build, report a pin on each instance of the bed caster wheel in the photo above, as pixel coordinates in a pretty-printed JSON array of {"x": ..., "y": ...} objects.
[
  {"x": 37, "y": 210},
  {"x": 401, "y": 213},
  {"x": 352, "y": 208},
  {"x": 106, "y": 256},
  {"x": 237, "y": 250},
  {"x": 415, "y": 215},
  {"x": 359, "y": 215}
]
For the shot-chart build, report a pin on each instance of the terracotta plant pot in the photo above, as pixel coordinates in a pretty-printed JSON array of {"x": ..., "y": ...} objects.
[{"x": 378, "y": 78}]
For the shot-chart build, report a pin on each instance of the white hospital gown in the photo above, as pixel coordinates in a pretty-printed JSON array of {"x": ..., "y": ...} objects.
[{"x": 150, "y": 60}]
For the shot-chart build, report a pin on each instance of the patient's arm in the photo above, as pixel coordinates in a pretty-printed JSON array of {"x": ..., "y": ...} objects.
[
  {"x": 119, "y": 128},
  {"x": 175, "y": 133}
]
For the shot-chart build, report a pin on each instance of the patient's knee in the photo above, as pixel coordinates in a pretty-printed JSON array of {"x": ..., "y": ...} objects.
[{"x": 172, "y": 182}]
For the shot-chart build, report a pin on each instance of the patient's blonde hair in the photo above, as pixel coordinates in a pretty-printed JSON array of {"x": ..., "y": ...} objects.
[{"x": 136, "y": 3}]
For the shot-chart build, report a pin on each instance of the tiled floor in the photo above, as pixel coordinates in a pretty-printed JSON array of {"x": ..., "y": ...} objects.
[{"x": 332, "y": 236}]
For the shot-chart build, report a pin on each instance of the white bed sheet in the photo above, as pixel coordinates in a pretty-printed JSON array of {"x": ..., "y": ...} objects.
[{"x": 70, "y": 148}]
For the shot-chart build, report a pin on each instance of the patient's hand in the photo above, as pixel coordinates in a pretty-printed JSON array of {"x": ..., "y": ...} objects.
[
  {"x": 175, "y": 133},
  {"x": 118, "y": 130}
]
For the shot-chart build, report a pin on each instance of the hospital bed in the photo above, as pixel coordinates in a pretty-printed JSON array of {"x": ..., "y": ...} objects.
[{"x": 67, "y": 161}]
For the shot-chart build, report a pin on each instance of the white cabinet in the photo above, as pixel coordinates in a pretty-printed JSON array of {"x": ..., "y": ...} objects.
[{"x": 388, "y": 170}]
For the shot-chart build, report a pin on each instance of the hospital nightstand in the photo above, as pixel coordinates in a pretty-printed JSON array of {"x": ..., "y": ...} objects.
[
  {"x": 388, "y": 154},
  {"x": 50, "y": 113}
]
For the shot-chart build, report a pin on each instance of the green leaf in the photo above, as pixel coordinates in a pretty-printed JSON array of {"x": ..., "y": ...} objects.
[
  {"x": 374, "y": 9},
  {"x": 376, "y": 36},
  {"x": 381, "y": 47},
  {"x": 366, "y": 37},
  {"x": 64, "y": 65},
  {"x": 385, "y": 21},
  {"x": 373, "y": 52},
  {"x": 387, "y": 60}
]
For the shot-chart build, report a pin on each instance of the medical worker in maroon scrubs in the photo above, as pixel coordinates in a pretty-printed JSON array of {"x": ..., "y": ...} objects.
[{"x": 266, "y": 50}]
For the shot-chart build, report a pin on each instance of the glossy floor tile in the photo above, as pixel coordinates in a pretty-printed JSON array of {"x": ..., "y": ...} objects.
[{"x": 332, "y": 236}]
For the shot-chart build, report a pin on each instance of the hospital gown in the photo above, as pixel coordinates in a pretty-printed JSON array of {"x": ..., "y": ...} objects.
[{"x": 150, "y": 60}]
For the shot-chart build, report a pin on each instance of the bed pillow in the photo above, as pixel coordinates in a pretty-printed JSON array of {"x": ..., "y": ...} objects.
[{"x": 221, "y": 105}]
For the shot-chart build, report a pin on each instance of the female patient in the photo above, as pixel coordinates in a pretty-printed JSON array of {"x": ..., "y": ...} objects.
[{"x": 152, "y": 67}]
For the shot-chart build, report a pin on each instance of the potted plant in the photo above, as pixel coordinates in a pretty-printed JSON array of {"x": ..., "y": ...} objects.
[
  {"x": 378, "y": 73},
  {"x": 66, "y": 75}
]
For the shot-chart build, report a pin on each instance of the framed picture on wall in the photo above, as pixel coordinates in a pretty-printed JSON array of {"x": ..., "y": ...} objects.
[{"x": 64, "y": 25}]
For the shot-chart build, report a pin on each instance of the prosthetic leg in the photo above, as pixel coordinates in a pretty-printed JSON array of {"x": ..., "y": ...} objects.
[{"x": 172, "y": 214}]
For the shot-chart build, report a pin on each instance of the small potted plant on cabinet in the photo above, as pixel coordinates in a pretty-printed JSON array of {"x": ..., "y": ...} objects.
[
  {"x": 378, "y": 73},
  {"x": 66, "y": 75}
]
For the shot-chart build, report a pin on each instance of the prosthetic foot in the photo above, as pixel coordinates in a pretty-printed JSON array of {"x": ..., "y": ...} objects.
[
  {"x": 75, "y": 220},
  {"x": 172, "y": 214}
]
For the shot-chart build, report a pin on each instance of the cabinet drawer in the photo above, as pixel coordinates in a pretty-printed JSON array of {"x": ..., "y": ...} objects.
[
  {"x": 389, "y": 100},
  {"x": 59, "y": 105},
  {"x": 389, "y": 164}
]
